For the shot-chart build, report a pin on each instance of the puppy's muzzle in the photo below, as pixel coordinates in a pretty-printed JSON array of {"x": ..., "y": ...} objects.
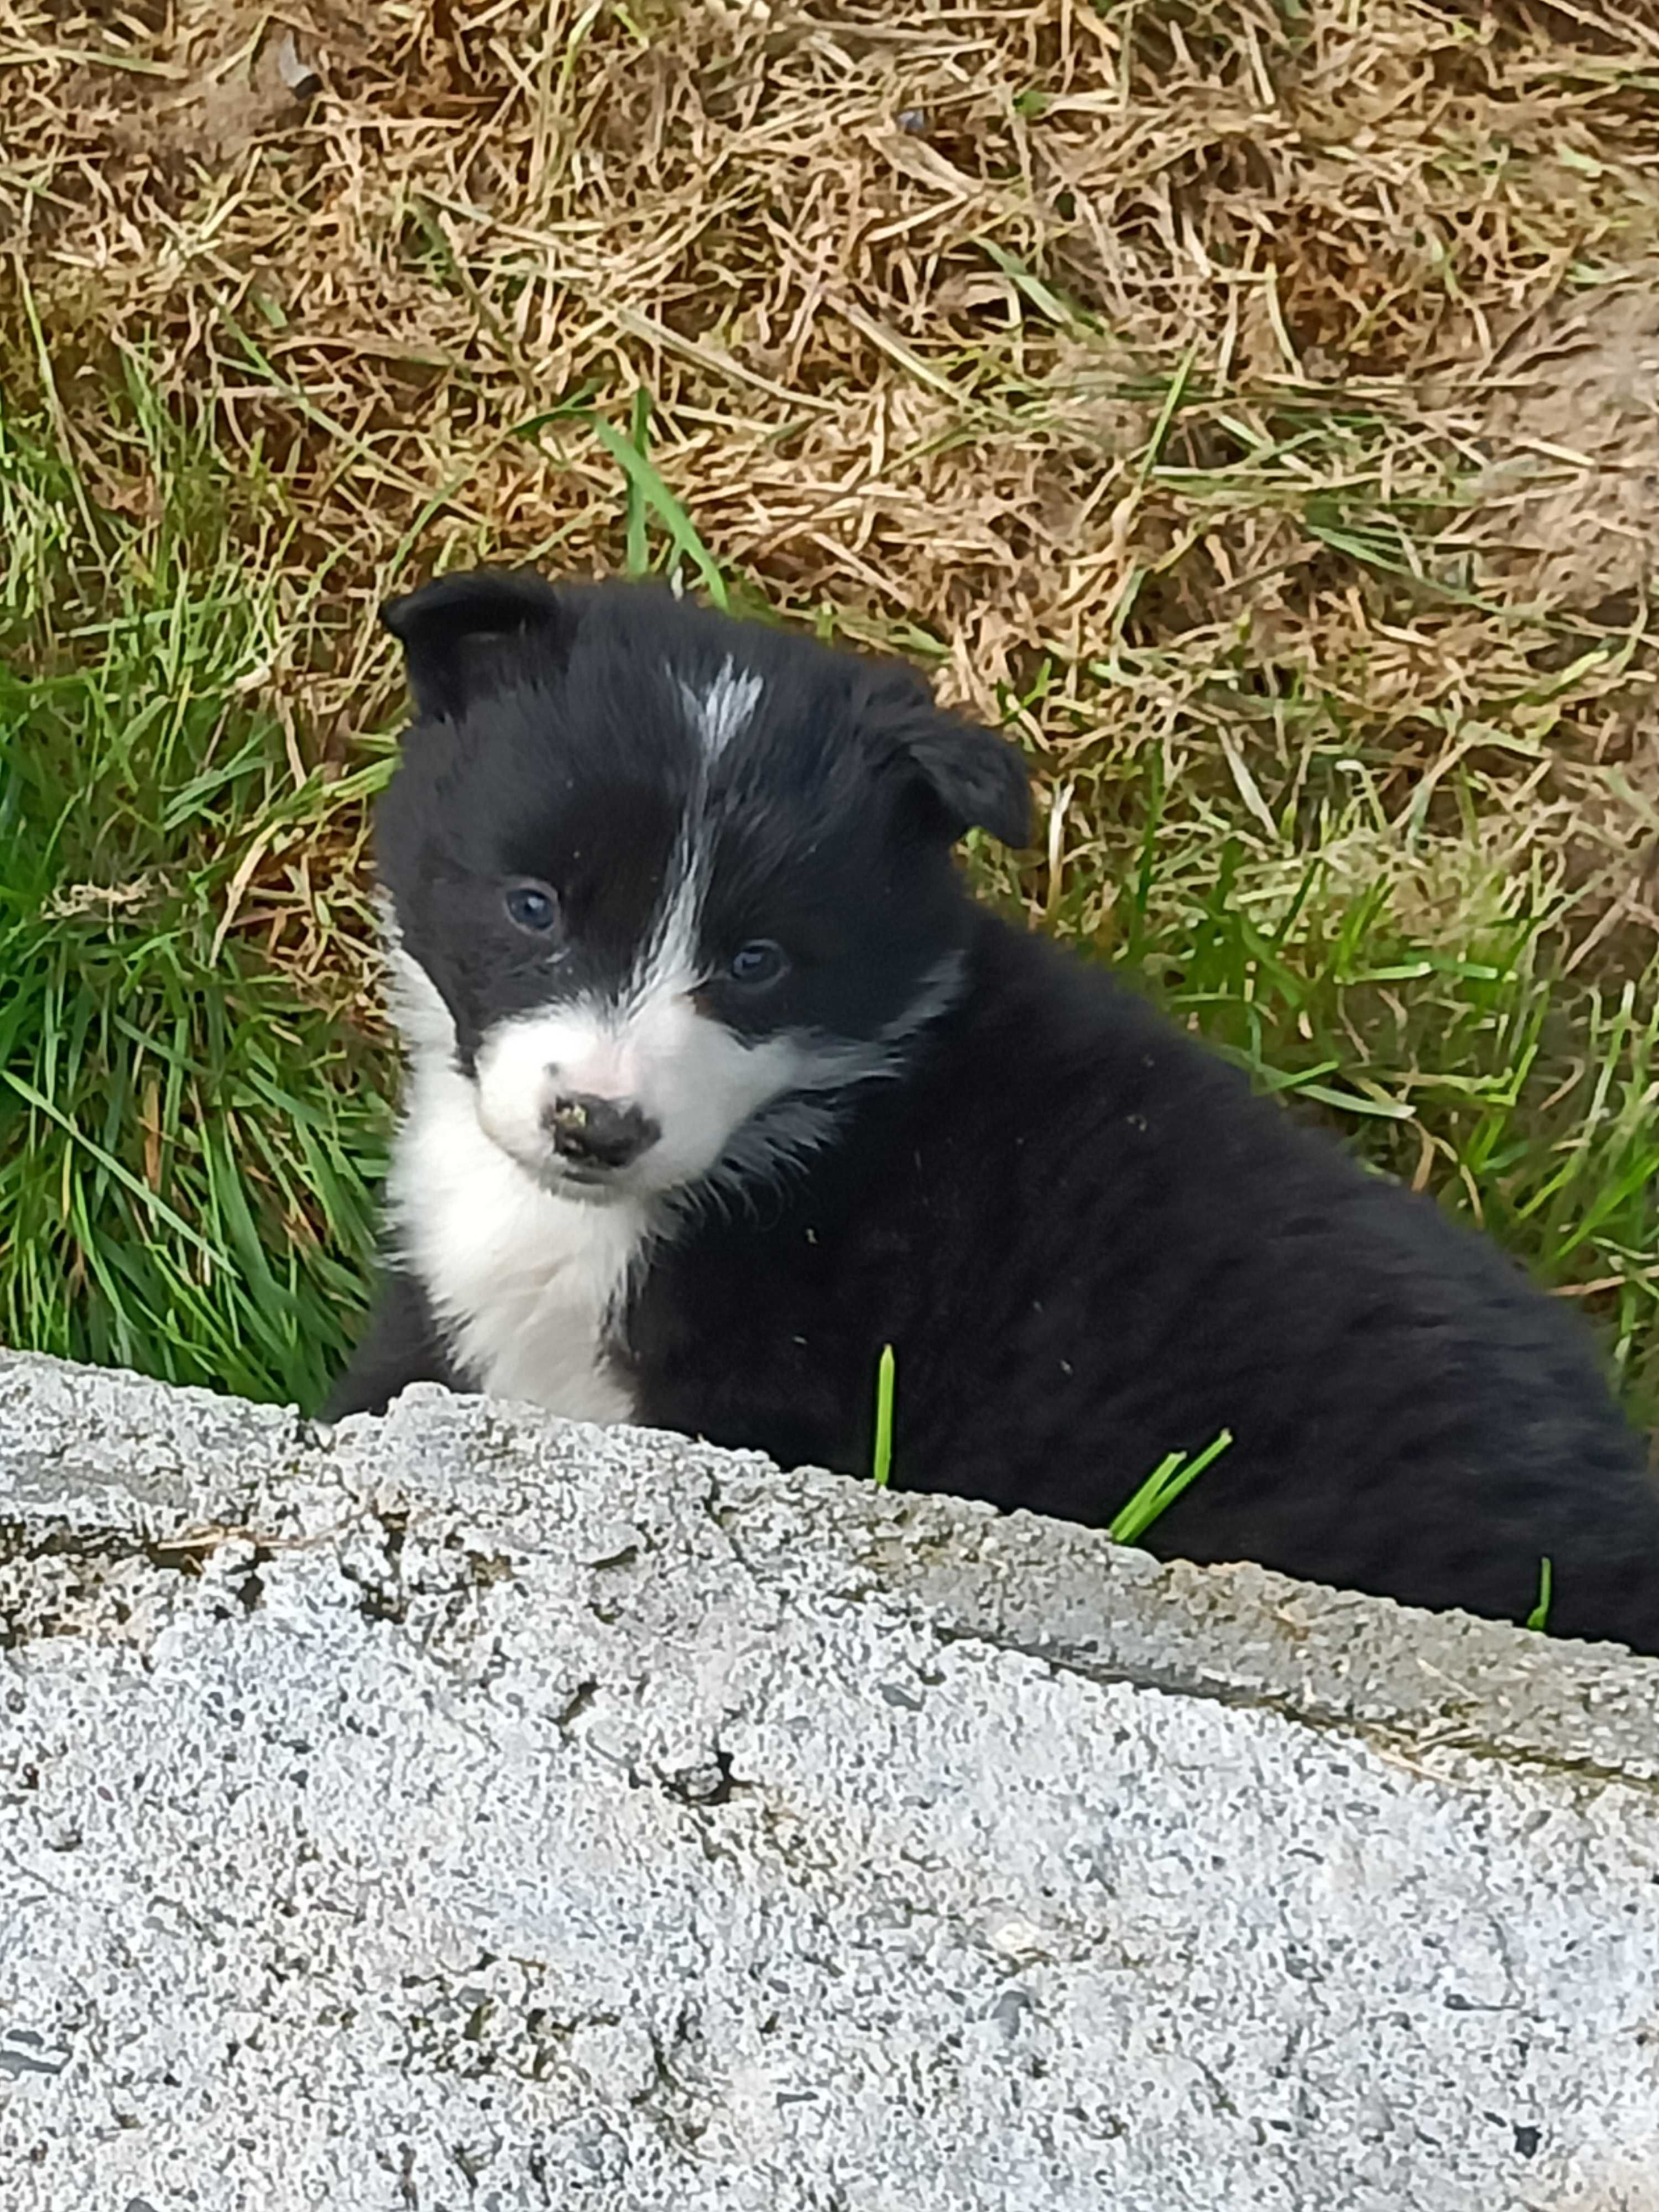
[{"x": 598, "y": 1133}]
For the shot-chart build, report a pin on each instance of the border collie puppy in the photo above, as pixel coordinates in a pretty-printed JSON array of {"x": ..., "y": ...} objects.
[{"x": 719, "y": 1081}]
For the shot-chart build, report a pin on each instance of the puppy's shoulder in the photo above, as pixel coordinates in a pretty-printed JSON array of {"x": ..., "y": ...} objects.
[{"x": 1038, "y": 1008}]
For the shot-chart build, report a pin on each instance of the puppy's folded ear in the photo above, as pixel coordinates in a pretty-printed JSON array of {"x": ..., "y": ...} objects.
[
  {"x": 460, "y": 633},
  {"x": 976, "y": 780}
]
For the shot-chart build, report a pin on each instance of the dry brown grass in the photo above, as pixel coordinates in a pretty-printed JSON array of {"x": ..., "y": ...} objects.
[
  {"x": 384, "y": 241},
  {"x": 1264, "y": 392}
]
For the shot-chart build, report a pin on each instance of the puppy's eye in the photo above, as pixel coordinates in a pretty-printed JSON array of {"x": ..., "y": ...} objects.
[
  {"x": 761, "y": 962},
  {"x": 531, "y": 907}
]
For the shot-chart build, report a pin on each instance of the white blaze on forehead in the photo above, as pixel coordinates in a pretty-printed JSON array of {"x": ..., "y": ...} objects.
[
  {"x": 647, "y": 1045},
  {"x": 720, "y": 710}
]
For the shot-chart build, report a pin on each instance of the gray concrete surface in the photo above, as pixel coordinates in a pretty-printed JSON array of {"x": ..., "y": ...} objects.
[{"x": 467, "y": 1811}]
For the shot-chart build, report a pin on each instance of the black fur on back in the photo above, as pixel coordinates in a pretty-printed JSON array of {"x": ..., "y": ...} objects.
[{"x": 1090, "y": 1246}]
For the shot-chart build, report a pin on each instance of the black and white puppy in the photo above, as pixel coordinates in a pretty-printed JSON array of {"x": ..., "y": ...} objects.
[{"x": 719, "y": 1081}]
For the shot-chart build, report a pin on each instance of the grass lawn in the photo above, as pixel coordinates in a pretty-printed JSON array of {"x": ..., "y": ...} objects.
[{"x": 1255, "y": 407}]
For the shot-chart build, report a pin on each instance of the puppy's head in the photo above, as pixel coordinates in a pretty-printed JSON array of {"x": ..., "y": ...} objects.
[{"x": 665, "y": 884}]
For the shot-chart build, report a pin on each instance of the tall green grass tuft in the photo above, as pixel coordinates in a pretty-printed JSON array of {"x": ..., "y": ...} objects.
[
  {"x": 188, "y": 1135},
  {"x": 1158, "y": 1493}
]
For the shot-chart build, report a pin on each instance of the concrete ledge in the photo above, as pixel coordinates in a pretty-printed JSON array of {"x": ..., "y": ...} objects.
[{"x": 467, "y": 1810}]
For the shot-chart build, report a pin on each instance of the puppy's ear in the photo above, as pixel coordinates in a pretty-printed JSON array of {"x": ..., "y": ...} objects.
[
  {"x": 459, "y": 633},
  {"x": 976, "y": 780}
]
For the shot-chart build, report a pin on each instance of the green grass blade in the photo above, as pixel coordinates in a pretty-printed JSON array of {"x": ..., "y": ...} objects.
[
  {"x": 1539, "y": 1617},
  {"x": 644, "y": 480},
  {"x": 882, "y": 1462},
  {"x": 638, "y": 553},
  {"x": 1161, "y": 1489}
]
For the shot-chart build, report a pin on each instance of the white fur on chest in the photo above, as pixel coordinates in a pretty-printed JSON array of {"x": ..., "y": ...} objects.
[{"x": 523, "y": 1283}]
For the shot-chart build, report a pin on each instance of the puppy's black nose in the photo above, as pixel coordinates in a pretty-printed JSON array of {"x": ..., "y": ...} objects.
[{"x": 598, "y": 1133}]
